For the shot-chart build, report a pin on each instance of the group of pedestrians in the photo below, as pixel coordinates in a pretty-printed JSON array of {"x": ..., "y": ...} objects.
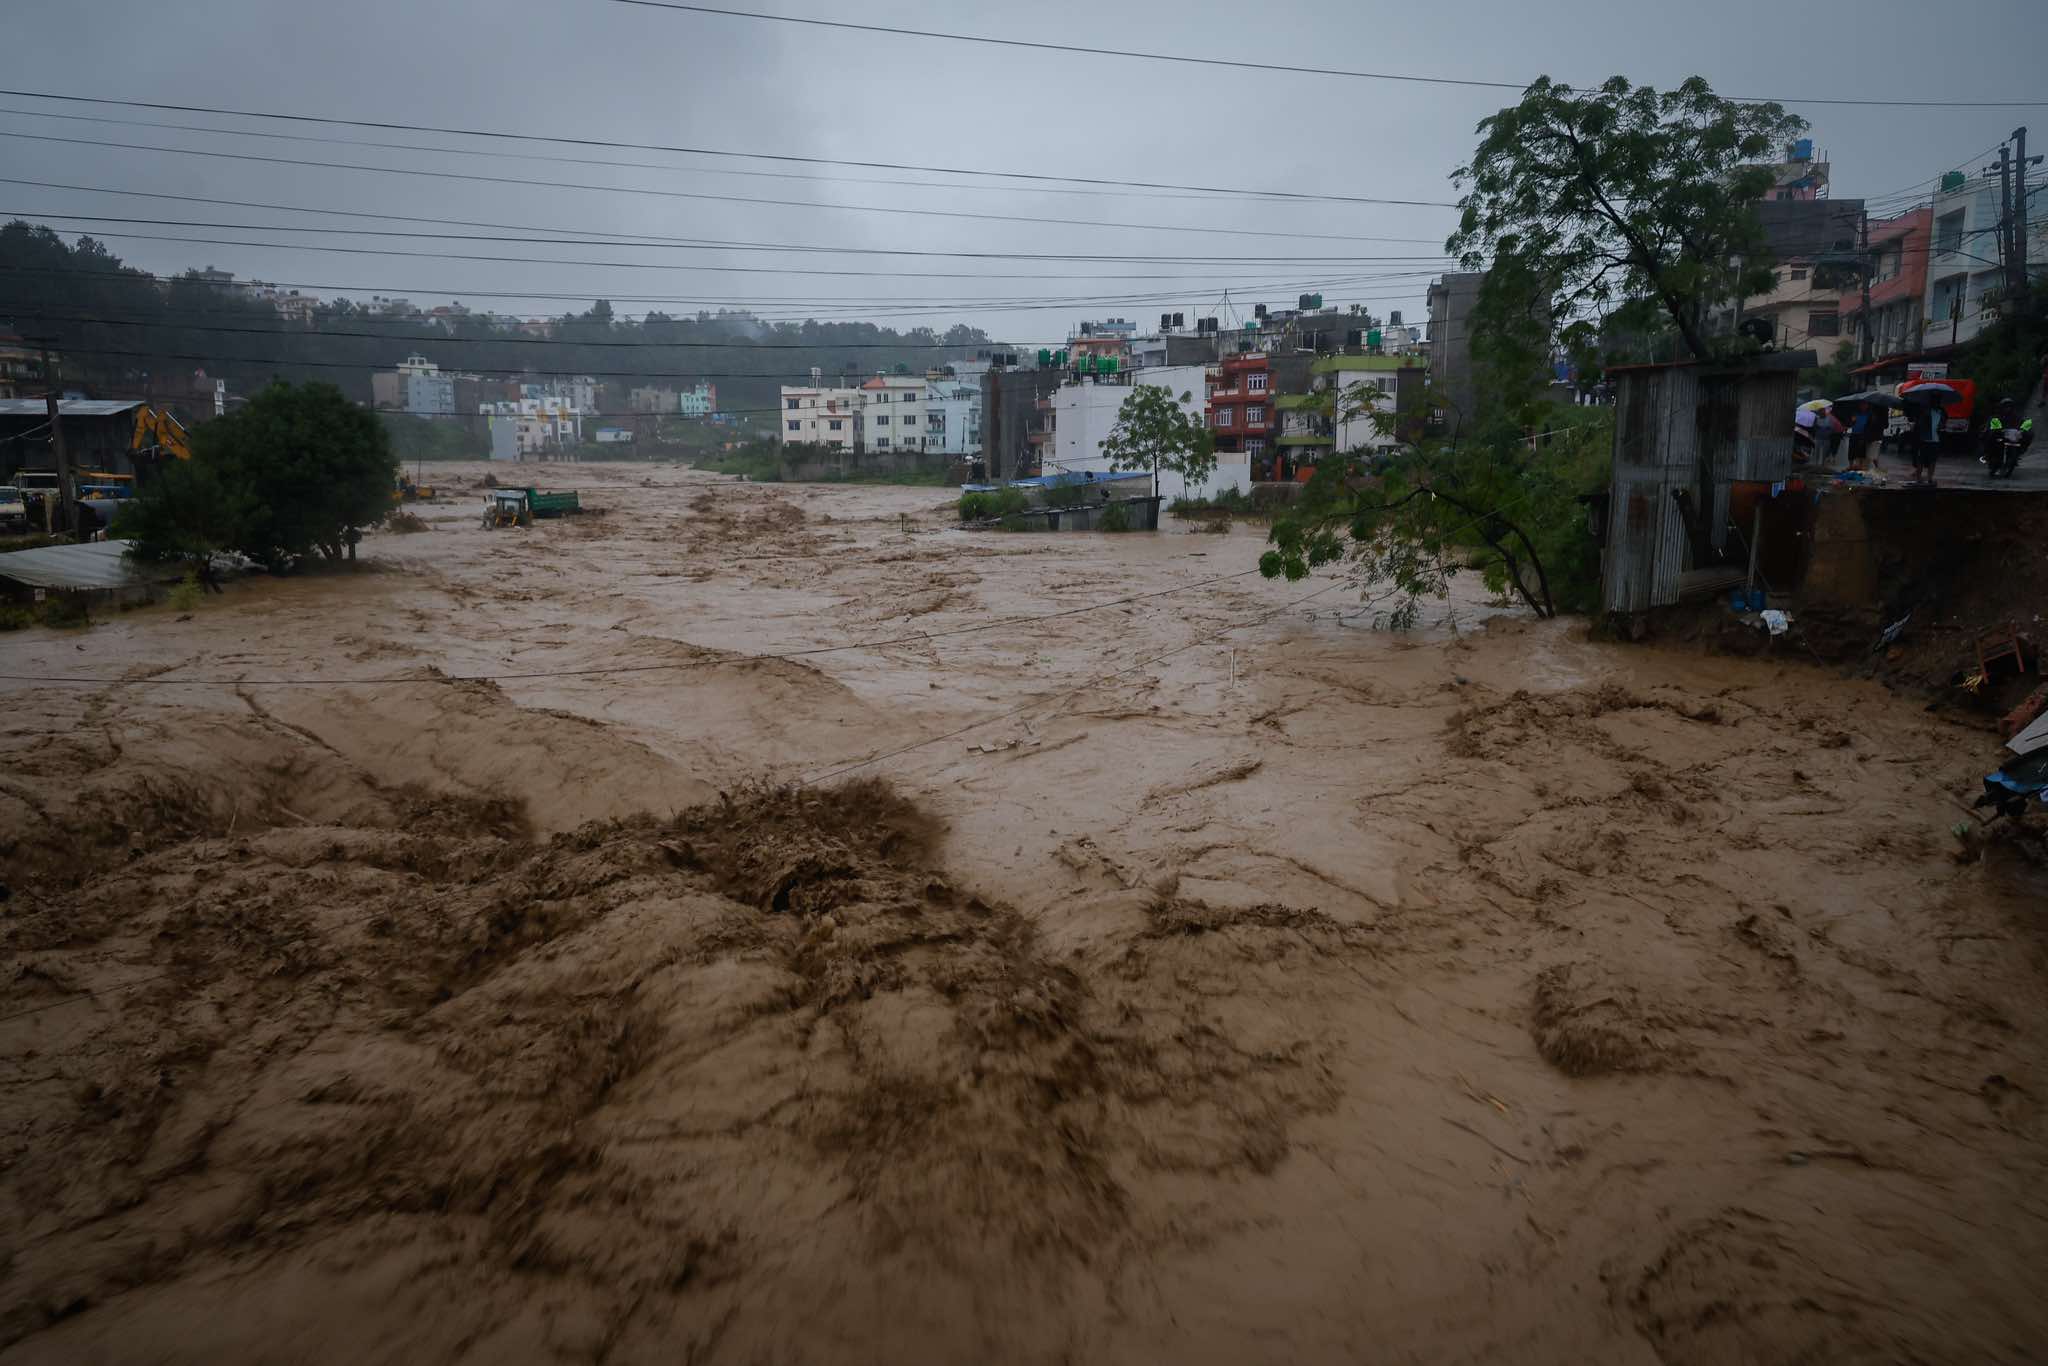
[{"x": 1818, "y": 433}]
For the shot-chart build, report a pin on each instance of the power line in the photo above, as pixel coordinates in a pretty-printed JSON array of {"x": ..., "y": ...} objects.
[
  {"x": 716, "y": 151},
  {"x": 1242, "y": 65},
  {"x": 644, "y": 237},
  {"x": 765, "y": 270},
  {"x": 650, "y": 239},
  {"x": 1201, "y": 196},
  {"x": 528, "y": 183}
]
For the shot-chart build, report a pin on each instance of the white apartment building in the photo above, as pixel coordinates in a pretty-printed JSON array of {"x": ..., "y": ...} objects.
[
  {"x": 1963, "y": 258},
  {"x": 1084, "y": 413},
  {"x": 815, "y": 415},
  {"x": 533, "y": 428},
  {"x": 893, "y": 413},
  {"x": 952, "y": 422}
]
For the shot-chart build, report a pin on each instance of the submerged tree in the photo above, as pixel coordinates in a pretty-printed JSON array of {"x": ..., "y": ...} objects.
[
  {"x": 1153, "y": 433},
  {"x": 1577, "y": 202}
]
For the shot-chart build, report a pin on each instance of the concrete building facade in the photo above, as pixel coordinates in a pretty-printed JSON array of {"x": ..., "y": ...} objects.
[
  {"x": 1451, "y": 299},
  {"x": 1898, "y": 286},
  {"x": 893, "y": 413},
  {"x": 700, "y": 401},
  {"x": 1015, "y": 419},
  {"x": 1963, "y": 263},
  {"x": 953, "y": 417},
  {"x": 1083, "y": 413},
  {"x": 819, "y": 416}
]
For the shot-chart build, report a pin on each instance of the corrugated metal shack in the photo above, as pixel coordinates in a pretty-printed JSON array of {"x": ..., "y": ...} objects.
[
  {"x": 98, "y": 434},
  {"x": 1684, "y": 435}
]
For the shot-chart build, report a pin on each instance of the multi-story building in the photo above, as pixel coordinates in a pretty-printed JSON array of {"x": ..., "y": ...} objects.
[
  {"x": 892, "y": 413},
  {"x": 1081, "y": 414},
  {"x": 701, "y": 401},
  {"x": 815, "y": 415},
  {"x": 1964, "y": 270},
  {"x": 1804, "y": 315},
  {"x": 21, "y": 368},
  {"x": 1451, "y": 299},
  {"x": 1241, "y": 416},
  {"x": 952, "y": 421},
  {"x": 543, "y": 428},
  {"x": 1344, "y": 412},
  {"x": 423, "y": 390},
  {"x": 650, "y": 399},
  {"x": 1015, "y": 419},
  {"x": 1898, "y": 286},
  {"x": 1109, "y": 339}
]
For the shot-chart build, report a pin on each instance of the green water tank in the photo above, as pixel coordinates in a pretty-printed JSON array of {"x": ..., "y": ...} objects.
[
  {"x": 1373, "y": 338},
  {"x": 1952, "y": 181}
]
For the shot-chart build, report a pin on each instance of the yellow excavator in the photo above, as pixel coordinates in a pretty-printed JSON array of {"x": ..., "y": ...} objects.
[{"x": 158, "y": 435}]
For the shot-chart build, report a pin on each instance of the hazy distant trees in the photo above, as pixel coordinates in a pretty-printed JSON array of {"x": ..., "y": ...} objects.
[{"x": 124, "y": 332}]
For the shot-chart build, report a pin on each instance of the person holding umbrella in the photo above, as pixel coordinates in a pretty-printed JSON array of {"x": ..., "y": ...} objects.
[
  {"x": 1869, "y": 411},
  {"x": 1924, "y": 402},
  {"x": 1923, "y": 405}
]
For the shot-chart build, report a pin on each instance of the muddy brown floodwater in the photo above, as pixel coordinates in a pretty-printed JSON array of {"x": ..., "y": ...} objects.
[{"x": 1206, "y": 978}]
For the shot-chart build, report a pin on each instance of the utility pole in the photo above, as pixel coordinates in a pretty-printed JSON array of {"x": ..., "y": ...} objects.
[
  {"x": 2005, "y": 212},
  {"x": 1863, "y": 317},
  {"x": 2019, "y": 208},
  {"x": 66, "y": 493}
]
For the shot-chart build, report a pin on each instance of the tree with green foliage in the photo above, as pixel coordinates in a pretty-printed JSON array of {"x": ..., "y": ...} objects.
[
  {"x": 185, "y": 513},
  {"x": 1154, "y": 432},
  {"x": 1577, "y": 202},
  {"x": 1497, "y": 503},
  {"x": 298, "y": 471}
]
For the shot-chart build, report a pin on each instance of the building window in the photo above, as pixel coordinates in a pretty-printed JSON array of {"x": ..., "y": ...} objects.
[
  {"x": 789, "y": 403},
  {"x": 1948, "y": 232},
  {"x": 882, "y": 420},
  {"x": 1256, "y": 383},
  {"x": 1827, "y": 324},
  {"x": 834, "y": 424},
  {"x": 883, "y": 444},
  {"x": 1799, "y": 272},
  {"x": 796, "y": 426},
  {"x": 1226, "y": 417},
  {"x": 1256, "y": 414},
  {"x": 1255, "y": 446}
]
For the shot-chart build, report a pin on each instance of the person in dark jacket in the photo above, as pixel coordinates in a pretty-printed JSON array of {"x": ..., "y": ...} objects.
[
  {"x": 2006, "y": 439},
  {"x": 1925, "y": 440}
]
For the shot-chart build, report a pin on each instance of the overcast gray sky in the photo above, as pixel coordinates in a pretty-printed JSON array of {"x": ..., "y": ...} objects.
[{"x": 596, "y": 69}]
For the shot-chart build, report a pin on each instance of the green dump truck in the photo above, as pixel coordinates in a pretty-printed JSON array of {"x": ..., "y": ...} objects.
[{"x": 518, "y": 507}]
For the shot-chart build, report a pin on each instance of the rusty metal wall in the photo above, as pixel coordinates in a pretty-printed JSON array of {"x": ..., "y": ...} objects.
[
  {"x": 1656, "y": 452},
  {"x": 1764, "y": 437},
  {"x": 1685, "y": 428}
]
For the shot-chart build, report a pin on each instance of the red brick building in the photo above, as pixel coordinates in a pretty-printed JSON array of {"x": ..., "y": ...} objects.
[{"x": 1241, "y": 415}]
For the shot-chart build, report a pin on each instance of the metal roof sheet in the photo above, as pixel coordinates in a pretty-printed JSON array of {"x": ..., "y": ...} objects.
[
  {"x": 95, "y": 564},
  {"x": 69, "y": 407}
]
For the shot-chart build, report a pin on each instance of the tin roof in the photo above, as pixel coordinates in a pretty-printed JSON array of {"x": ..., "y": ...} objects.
[
  {"x": 95, "y": 564},
  {"x": 69, "y": 407}
]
